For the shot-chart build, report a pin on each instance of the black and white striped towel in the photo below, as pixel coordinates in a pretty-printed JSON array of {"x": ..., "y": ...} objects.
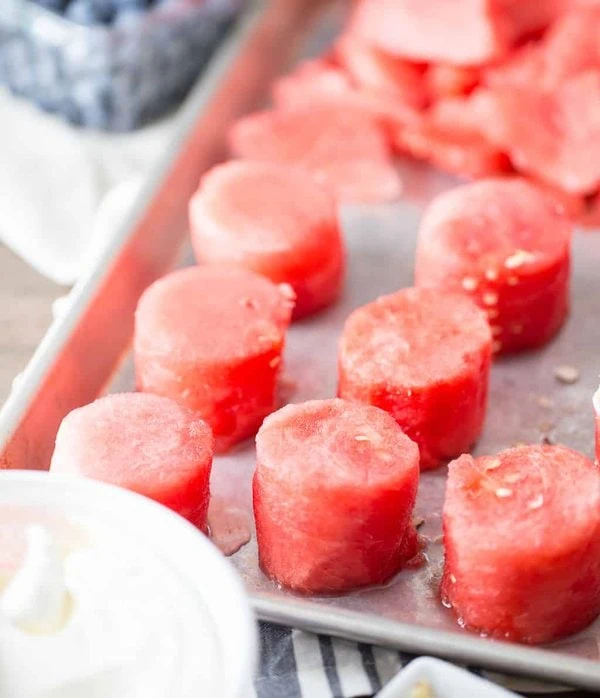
[{"x": 295, "y": 664}]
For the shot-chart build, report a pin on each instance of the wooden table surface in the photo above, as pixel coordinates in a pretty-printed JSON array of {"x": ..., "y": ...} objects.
[{"x": 25, "y": 313}]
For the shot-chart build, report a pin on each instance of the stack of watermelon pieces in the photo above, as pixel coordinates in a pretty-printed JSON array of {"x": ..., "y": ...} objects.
[{"x": 475, "y": 87}]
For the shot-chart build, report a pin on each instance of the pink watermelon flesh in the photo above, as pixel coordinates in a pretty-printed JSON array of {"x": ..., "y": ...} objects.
[
  {"x": 569, "y": 48},
  {"x": 526, "y": 18},
  {"x": 423, "y": 356},
  {"x": 314, "y": 80},
  {"x": 450, "y": 137},
  {"x": 551, "y": 135},
  {"x": 144, "y": 443},
  {"x": 376, "y": 71},
  {"x": 506, "y": 245},
  {"x": 319, "y": 83},
  {"x": 444, "y": 80},
  {"x": 343, "y": 148},
  {"x": 522, "y": 543},
  {"x": 211, "y": 338},
  {"x": 274, "y": 220},
  {"x": 461, "y": 32},
  {"x": 334, "y": 491}
]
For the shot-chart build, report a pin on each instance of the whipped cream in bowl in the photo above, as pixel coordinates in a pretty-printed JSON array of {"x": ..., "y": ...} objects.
[{"x": 104, "y": 593}]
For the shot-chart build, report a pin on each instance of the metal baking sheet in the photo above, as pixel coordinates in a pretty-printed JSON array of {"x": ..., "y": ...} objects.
[{"x": 527, "y": 403}]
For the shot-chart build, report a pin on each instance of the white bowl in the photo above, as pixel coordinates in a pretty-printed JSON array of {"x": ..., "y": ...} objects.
[
  {"x": 180, "y": 546},
  {"x": 446, "y": 681}
]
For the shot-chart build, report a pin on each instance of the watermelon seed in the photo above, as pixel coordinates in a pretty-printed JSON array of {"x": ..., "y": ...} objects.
[
  {"x": 275, "y": 361},
  {"x": 496, "y": 346},
  {"x": 496, "y": 330},
  {"x": 511, "y": 478},
  {"x": 516, "y": 329},
  {"x": 536, "y": 502},
  {"x": 492, "y": 313},
  {"x": 512, "y": 280},
  {"x": 493, "y": 464},
  {"x": 491, "y": 274},
  {"x": 503, "y": 492},
  {"x": 469, "y": 283},
  {"x": 361, "y": 437},
  {"x": 519, "y": 258},
  {"x": 453, "y": 579},
  {"x": 490, "y": 298},
  {"x": 544, "y": 401},
  {"x": 566, "y": 374}
]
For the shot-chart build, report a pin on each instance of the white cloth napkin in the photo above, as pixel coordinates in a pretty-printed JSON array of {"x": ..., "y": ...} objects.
[{"x": 61, "y": 188}]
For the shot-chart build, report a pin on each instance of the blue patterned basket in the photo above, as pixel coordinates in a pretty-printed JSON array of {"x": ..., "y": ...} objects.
[{"x": 115, "y": 76}]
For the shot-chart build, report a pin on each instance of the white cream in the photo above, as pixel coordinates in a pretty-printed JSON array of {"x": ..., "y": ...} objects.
[
  {"x": 132, "y": 627},
  {"x": 36, "y": 600}
]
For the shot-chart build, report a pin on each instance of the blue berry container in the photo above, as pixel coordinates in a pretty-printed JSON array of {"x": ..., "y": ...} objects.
[{"x": 109, "y": 64}]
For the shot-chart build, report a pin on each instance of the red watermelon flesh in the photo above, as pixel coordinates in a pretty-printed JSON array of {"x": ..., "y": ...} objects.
[
  {"x": 527, "y": 17},
  {"x": 145, "y": 443},
  {"x": 551, "y": 135},
  {"x": 450, "y": 137},
  {"x": 343, "y": 148},
  {"x": 423, "y": 356},
  {"x": 569, "y": 48},
  {"x": 461, "y": 32},
  {"x": 334, "y": 490},
  {"x": 445, "y": 80},
  {"x": 376, "y": 71},
  {"x": 274, "y": 220},
  {"x": 320, "y": 83},
  {"x": 507, "y": 245},
  {"x": 314, "y": 80},
  {"x": 522, "y": 543},
  {"x": 212, "y": 338}
]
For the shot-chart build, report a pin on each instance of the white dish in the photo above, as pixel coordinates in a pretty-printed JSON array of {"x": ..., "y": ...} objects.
[
  {"x": 79, "y": 509},
  {"x": 445, "y": 680}
]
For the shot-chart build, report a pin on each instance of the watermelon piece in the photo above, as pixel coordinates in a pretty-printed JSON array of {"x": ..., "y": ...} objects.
[
  {"x": 507, "y": 245},
  {"x": 590, "y": 216},
  {"x": 450, "y": 137},
  {"x": 529, "y": 18},
  {"x": 423, "y": 356},
  {"x": 343, "y": 148},
  {"x": 525, "y": 68},
  {"x": 274, "y": 220},
  {"x": 376, "y": 71},
  {"x": 145, "y": 443},
  {"x": 445, "y": 80},
  {"x": 569, "y": 48},
  {"x": 551, "y": 135},
  {"x": 522, "y": 543},
  {"x": 460, "y": 32},
  {"x": 334, "y": 490},
  {"x": 314, "y": 80},
  {"x": 212, "y": 339},
  {"x": 323, "y": 84}
]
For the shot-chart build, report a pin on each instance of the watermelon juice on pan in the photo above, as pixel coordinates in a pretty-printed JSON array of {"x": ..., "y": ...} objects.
[
  {"x": 522, "y": 543},
  {"x": 334, "y": 491},
  {"x": 424, "y": 356}
]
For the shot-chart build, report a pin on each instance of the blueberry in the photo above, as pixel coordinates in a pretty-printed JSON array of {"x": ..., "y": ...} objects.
[
  {"x": 91, "y": 11},
  {"x": 129, "y": 16},
  {"x": 54, "y": 5}
]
